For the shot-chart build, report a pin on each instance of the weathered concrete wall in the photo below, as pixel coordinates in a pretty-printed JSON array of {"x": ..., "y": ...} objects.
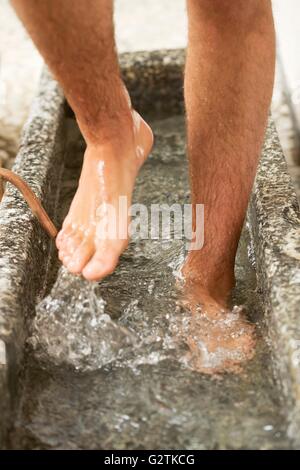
[
  {"x": 24, "y": 247},
  {"x": 275, "y": 225}
]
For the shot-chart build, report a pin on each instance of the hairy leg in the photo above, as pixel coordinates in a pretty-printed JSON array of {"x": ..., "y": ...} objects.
[
  {"x": 77, "y": 43},
  {"x": 228, "y": 87}
]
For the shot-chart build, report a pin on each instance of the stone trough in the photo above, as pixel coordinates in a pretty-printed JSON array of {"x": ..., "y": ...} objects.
[{"x": 154, "y": 80}]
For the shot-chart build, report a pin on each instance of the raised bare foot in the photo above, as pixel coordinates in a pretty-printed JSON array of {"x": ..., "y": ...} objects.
[
  {"x": 92, "y": 238},
  {"x": 219, "y": 338}
]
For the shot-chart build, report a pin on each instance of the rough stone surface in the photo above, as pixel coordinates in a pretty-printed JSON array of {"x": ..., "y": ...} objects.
[
  {"x": 155, "y": 89},
  {"x": 23, "y": 245},
  {"x": 4, "y": 402},
  {"x": 275, "y": 225}
]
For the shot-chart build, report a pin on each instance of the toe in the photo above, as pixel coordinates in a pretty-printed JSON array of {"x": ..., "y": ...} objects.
[
  {"x": 100, "y": 266},
  {"x": 81, "y": 256},
  {"x": 61, "y": 255},
  {"x": 66, "y": 259},
  {"x": 63, "y": 236},
  {"x": 59, "y": 239},
  {"x": 72, "y": 239}
]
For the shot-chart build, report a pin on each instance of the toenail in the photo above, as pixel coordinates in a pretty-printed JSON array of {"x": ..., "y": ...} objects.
[{"x": 90, "y": 270}]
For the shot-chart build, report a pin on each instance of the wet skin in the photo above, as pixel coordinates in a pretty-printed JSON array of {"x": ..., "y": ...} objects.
[{"x": 92, "y": 238}]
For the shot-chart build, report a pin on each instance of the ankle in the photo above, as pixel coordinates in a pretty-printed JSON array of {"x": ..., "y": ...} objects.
[
  {"x": 109, "y": 118},
  {"x": 107, "y": 129},
  {"x": 216, "y": 279}
]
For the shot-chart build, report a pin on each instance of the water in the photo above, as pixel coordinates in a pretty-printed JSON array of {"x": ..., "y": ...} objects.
[{"x": 124, "y": 365}]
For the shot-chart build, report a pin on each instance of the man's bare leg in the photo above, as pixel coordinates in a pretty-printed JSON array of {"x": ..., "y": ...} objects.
[
  {"x": 77, "y": 42},
  {"x": 228, "y": 87}
]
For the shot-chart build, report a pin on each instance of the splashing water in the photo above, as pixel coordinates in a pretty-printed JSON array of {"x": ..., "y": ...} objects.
[{"x": 71, "y": 326}]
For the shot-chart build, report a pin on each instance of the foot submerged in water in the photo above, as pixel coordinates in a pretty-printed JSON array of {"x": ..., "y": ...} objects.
[{"x": 219, "y": 338}]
